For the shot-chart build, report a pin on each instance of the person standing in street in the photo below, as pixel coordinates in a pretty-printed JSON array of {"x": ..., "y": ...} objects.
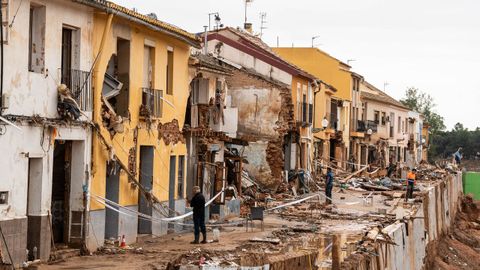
[
  {"x": 198, "y": 205},
  {"x": 411, "y": 181},
  {"x": 329, "y": 186},
  {"x": 458, "y": 156}
]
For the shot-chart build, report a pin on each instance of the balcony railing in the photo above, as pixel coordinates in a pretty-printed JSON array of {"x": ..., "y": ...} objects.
[
  {"x": 80, "y": 83},
  {"x": 364, "y": 126},
  {"x": 152, "y": 103}
]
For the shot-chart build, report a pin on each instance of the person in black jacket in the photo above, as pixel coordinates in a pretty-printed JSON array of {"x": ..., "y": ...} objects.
[{"x": 198, "y": 205}]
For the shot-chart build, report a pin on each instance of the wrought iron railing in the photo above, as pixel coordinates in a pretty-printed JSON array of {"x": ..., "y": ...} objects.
[
  {"x": 152, "y": 103},
  {"x": 364, "y": 126},
  {"x": 80, "y": 83}
]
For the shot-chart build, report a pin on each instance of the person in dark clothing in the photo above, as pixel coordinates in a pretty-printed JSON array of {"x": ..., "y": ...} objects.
[
  {"x": 391, "y": 169},
  {"x": 198, "y": 205},
  {"x": 329, "y": 186}
]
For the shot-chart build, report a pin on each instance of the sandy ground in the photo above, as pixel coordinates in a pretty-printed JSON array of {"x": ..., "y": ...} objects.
[{"x": 157, "y": 252}]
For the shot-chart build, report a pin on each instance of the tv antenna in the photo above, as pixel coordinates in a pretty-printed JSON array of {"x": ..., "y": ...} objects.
[{"x": 263, "y": 22}]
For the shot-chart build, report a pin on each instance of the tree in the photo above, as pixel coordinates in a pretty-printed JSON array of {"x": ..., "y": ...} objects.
[{"x": 423, "y": 103}]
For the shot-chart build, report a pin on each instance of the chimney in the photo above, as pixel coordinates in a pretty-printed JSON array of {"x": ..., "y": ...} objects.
[{"x": 248, "y": 27}]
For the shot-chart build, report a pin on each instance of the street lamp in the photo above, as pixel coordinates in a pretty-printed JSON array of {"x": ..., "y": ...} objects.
[
  {"x": 217, "y": 19},
  {"x": 325, "y": 123}
]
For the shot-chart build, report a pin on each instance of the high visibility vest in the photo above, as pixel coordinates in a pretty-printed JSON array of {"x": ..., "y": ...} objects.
[{"x": 411, "y": 177}]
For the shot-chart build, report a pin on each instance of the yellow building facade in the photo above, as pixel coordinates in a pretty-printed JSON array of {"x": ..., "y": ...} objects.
[
  {"x": 336, "y": 75},
  {"x": 141, "y": 83}
]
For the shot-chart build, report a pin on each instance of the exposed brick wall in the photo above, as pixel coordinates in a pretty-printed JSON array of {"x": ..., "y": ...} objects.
[{"x": 266, "y": 117}]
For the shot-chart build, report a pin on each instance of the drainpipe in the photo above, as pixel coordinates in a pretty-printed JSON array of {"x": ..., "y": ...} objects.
[
  {"x": 1, "y": 61},
  {"x": 86, "y": 186}
]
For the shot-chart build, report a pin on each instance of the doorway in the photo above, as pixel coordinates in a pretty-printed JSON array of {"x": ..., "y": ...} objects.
[
  {"x": 62, "y": 157},
  {"x": 34, "y": 232},
  {"x": 146, "y": 180},
  {"x": 112, "y": 194}
]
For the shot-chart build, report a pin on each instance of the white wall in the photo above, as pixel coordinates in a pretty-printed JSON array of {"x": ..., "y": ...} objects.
[
  {"x": 35, "y": 93},
  {"x": 250, "y": 62},
  {"x": 16, "y": 148}
]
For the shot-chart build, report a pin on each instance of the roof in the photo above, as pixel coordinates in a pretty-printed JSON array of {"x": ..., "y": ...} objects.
[
  {"x": 211, "y": 62},
  {"x": 317, "y": 50},
  {"x": 258, "y": 42},
  {"x": 148, "y": 21},
  {"x": 381, "y": 96}
]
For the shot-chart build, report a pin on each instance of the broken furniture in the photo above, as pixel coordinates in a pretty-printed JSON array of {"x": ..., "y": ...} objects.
[{"x": 256, "y": 213}]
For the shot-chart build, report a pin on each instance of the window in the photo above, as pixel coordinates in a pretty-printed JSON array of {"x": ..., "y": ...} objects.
[
  {"x": 399, "y": 124},
  {"x": 392, "y": 124},
  {"x": 304, "y": 109},
  {"x": 36, "y": 42},
  {"x": 376, "y": 117},
  {"x": 169, "y": 71},
  {"x": 3, "y": 197},
  {"x": 299, "y": 104},
  {"x": 181, "y": 177},
  {"x": 200, "y": 91},
  {"x": 148, "y": 66},
  {"x": 384, "y": 118}
]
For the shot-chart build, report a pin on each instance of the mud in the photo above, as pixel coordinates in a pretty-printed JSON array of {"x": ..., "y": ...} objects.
[{"x": 459, "y": 249}]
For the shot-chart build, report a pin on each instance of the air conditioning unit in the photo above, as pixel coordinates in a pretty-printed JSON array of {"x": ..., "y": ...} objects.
[{"x": 200, "y": 91}]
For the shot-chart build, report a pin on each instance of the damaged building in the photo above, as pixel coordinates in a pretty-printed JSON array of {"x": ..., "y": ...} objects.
[
  {"x": 214, "y": 161},
  {"x": 139, "y": 152},
  {"x": 45, "y": 133},
  {"x": 275, "y": 105},
  {"x": 387, "y": 144}
]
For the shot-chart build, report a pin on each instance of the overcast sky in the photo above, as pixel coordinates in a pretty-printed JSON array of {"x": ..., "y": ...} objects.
[{"x": 433, "y": 45}]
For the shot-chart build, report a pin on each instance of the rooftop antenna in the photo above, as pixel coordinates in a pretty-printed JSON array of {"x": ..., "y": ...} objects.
[
  {"x": 263, "y": 22},
  {"x": 313, "y": 39},
  {"x": 385, "y": 84},
  {"x": 278, "y": 41},
  {"x": 350, "y": 60}
]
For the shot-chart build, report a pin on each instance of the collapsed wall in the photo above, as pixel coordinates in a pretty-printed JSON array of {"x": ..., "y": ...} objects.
[
  {"x": 414, "y": 230},
  {"x": 265, "y": 112}
]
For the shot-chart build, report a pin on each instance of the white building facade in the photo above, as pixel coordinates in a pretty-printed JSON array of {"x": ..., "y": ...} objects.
[{"x": 45, "y": 156}]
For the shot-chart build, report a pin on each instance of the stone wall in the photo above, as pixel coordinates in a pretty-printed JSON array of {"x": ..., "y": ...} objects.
[{"x": 433, "y": 218}]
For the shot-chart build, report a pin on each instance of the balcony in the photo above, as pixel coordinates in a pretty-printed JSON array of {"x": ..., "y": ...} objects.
[
  {"x": 305, "y": 114},
  {"x": 80, "y": 84},
  {"x": 364, "y": 126},
  {"x": 152, "y": 103}
]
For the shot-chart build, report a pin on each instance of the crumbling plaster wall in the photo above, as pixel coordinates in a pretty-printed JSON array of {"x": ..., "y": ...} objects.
[
  {"x": 36, "y": 93},
  {"x": 264, "y": 115}
]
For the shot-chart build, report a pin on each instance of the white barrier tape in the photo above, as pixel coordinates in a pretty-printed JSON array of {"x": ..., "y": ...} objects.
[
  {"x": 294, "y": 202},
  {"x": 162, "y": 219},
  {"x": 156, "y": 220}
]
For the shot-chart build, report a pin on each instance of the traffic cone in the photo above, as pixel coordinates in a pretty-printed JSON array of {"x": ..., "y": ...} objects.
[{"x": 123, "y": 243}]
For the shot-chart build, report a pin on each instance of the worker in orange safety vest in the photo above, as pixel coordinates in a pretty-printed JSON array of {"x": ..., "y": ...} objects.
[{"x": 411, "y": 181}]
